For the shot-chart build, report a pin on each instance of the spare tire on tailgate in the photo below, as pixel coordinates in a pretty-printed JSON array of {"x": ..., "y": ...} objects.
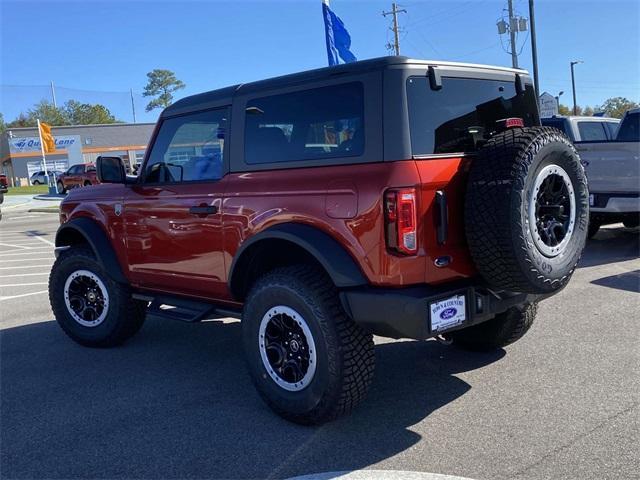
[{"x": 526, "y": 210}]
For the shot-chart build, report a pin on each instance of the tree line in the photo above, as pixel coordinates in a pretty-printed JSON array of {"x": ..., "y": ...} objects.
[{"x": 612, "y": 107}]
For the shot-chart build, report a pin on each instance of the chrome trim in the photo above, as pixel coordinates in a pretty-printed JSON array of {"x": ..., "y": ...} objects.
[{"x": 442, "y": 155}]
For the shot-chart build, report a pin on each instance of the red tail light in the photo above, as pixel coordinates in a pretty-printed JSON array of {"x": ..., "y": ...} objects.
[{"x": 401, "y": 221}]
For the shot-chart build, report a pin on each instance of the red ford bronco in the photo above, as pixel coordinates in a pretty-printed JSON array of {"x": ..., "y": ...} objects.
[{"x": 394, "y": 197}]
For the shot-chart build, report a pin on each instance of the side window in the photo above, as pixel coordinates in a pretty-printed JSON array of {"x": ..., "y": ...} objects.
[
  {"x": 592, "y": 132},
  {"x": 188, "y": 148},
  {"x": 318, "y": 123},
  {"x": 81, "y": 169},
  {"x": 612, "y": 129},
  {"x": 74, "y": 170}
]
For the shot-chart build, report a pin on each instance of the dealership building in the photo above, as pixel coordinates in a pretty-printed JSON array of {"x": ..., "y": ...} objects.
[{"x": 21, "y": 155}]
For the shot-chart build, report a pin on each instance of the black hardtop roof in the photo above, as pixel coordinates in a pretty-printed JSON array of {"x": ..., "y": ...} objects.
[{"x": 202, "y": 100}]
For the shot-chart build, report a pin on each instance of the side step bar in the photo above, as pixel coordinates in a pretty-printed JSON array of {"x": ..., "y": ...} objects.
[{"x": 183, "y": 309}]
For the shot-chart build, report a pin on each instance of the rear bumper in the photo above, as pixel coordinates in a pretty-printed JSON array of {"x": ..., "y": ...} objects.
[
  {"x": 405, "y": 312},
  {"x": 614, "y": 202}
]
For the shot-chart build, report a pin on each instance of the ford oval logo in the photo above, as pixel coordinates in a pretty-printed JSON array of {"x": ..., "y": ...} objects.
[{"x": 448, "y": 313}]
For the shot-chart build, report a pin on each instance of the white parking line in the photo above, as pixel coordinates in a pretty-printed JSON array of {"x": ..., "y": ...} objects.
[
  {"x": 24, "y": 216},
  {"x": 11, "y": 245},
  {"x": 26, "y": 275},
  {"x": 26, "y": 266},
  {"x": 23, "y": 284},
  {"x": 25, "y": 253},
  {"x": 28, "y": 259},
  {"x": 23, "y": 295}
]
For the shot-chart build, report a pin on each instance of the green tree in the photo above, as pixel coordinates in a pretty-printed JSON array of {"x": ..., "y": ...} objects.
[
  {"x": 161, "y": 84},
  {"x": 47, "y": 112},
  {"x": 22, "y": 121},
  {"x": 3, "y": 127},
  {"x": 617, "y": 106},
  {"x": 588, "y": 111},
  {"x": 564, "y": 110},
  {"x": 87, "y": 114}
]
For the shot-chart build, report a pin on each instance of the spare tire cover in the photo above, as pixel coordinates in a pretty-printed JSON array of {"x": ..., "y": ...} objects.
[{"x": 527, "y": 210}]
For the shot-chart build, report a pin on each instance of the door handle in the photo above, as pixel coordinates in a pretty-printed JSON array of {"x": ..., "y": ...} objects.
[{"x": 203, "y": 210}]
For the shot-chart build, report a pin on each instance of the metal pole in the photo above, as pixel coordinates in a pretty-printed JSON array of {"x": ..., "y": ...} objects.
[
  {"x": 512, "y": 36},
  {"x": 133, "y": 107},
  {"x": 53, "y": 95},
  {"x": 395, "y": 29},
  {"x": 573, "y": 86},
  {"x": 534, "y": 48}
]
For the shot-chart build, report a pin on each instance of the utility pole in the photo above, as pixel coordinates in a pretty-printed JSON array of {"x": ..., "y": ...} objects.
[
  {"x": 573, "y": 85},
  {"x": 53, "y": 95},
  {"x": 396, "y": 40},
  {"x": 534, "y": 49},
  {"x": 512, "y": 35},
  {"x": 133, "y": 106}
]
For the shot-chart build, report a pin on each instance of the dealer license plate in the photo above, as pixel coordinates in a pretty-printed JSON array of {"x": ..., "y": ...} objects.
[
  {"x": 448, "y": 313},
  {"x": 592, "y": 199}
]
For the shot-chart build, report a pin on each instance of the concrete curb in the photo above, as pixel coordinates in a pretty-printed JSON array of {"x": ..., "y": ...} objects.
[
  {"x": 44, "y": 210},
  {"x": 49, "y": 198}
]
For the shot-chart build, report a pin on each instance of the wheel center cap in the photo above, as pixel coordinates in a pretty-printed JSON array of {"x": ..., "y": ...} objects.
[
  {"x": 294, "y": 345},
  {"x": 91, "y": 296}
]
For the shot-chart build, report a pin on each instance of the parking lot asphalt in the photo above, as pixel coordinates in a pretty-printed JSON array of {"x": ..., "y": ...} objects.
[{"x": 176, "y": 401}]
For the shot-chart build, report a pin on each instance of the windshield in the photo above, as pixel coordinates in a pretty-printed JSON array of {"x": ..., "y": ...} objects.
[{"x": 463, "y": 112}]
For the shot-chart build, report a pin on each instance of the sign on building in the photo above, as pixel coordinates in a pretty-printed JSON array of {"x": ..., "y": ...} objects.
[
  {"x": 32, "y": 144},
  {"x": 548, "y": 105}
]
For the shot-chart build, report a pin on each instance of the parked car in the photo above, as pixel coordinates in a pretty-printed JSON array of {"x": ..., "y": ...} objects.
[
  {"x": 38, "y": 178},
  {"x": 584, "y": 129},
  {"x": 395, "y": 197},
  {"x": 613, "y": 170},
  {"x": 4, "y": 183},
  {"x": 79, "y": 175}
]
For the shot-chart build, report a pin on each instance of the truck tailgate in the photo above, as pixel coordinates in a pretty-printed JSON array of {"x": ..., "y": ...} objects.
[{"x": 611, "y": 166}]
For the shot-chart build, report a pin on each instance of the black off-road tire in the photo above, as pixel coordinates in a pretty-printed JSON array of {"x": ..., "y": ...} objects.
[
  {"x": 497, "y": 217},
  {"x": 125, "y": 315},
  {"x": 345, "y": 355},
  {"x": 500, "y": 331}
]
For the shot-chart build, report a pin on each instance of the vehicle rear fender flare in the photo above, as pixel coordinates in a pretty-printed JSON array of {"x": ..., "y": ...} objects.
[
  {"x": 333, "y": 257},
  {"x": 84, "y": 228}
]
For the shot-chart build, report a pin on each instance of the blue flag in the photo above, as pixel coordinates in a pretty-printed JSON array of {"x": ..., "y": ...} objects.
[{"x": 338, "y": 39}]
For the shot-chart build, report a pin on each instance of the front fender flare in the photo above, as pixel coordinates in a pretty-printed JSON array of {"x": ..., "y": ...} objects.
[{"x": 97, "y": 239}]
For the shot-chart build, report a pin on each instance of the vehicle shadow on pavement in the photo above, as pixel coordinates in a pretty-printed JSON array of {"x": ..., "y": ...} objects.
[
  {"x": 177, "y": 402},
  {"x": 611, "y": 245},
  {"x": 629, "y": 281}
]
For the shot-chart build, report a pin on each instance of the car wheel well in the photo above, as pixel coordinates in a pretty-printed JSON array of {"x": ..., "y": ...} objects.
[
  {"x": 264, "y": 256},
  {"x": 71, "y": 237}
]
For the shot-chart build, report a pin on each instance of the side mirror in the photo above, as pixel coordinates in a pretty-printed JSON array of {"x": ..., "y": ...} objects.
[{"x": 110, "y": 170}]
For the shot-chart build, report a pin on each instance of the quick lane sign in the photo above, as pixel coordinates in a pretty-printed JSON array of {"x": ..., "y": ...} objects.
[{"x": 32, "y": 144}]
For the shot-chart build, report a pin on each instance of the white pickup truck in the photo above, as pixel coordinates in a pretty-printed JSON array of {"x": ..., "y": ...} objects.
[{"x": 612, "y": 166}]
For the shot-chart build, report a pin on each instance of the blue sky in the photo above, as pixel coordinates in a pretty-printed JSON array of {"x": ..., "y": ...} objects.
[{"x": 91, "y": 46}]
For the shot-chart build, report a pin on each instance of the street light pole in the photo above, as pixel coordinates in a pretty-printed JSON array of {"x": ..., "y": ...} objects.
[
  {"x": 558, "y": 99},
  {"x": 573, "y": 85}
]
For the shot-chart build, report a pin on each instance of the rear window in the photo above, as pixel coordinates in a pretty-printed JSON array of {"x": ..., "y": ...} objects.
[
  {"x": 318, "y": 123},
  {"x": 630, "y": 129},
  {"x": 558, "y": 123},
  {"x": 462, "y": 112},
  {"x": 592, "y": 132}
]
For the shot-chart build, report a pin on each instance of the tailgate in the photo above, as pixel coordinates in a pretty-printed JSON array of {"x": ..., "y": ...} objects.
[
  {"x": 442, "y": 191},
  {"x": 612, "y": 167}
]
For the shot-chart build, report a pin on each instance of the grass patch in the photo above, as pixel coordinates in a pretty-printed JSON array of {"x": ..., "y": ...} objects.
[{"x": 30, "y": 190}]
